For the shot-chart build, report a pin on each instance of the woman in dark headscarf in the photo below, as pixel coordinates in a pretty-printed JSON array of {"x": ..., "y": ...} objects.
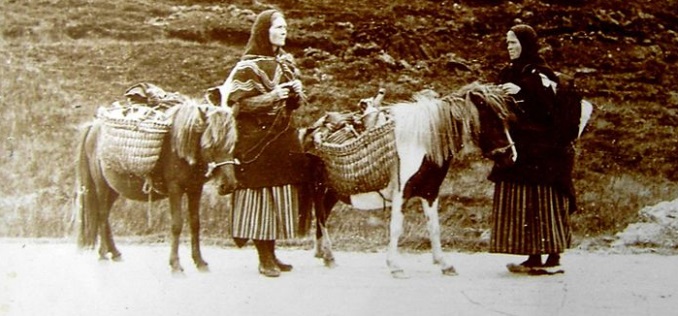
[
  {"x": 533, "y": 197},
  {"x": 263, "y": 89}
]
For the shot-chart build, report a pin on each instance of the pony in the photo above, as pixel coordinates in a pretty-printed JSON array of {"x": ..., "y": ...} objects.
[
  {"x": 197, "y": 148},
  {"x": 429, "y": 132}
]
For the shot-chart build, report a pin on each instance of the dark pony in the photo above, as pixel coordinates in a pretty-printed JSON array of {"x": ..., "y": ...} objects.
[
  {"x": 429, "y": 133},
  {"x": 198, "y": 147}
]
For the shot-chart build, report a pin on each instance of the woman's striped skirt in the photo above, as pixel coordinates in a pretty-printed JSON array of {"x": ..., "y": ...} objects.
[
  {"x": 267, "y": 213},
  {"x": 529, "y": 219}
]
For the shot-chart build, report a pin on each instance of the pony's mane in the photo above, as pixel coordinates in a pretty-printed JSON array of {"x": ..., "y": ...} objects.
[
  {"x": 441, "y": 126},
  {"x": 198, "y": 126},
  {"x": 493, "y": 95},
  {"x": 220, "y": 132},
  {"x": 188, "y": 123}
]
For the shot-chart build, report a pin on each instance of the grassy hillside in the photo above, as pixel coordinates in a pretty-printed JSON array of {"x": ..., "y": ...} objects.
[{"x": 62, "y": 59}]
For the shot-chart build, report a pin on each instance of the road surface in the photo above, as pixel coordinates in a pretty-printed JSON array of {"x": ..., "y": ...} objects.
[{"x": 53, "y": 278}]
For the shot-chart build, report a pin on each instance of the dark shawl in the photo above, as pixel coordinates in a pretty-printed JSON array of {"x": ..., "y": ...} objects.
[
  {"x": 268, "y": 147},
  {"x": 541, "y": 160}
]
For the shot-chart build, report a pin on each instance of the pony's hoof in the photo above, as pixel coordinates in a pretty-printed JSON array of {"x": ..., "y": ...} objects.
[
  {"x": 399, "y": 274},
  {"x": 177, "y": 269},
  {"x": 330, "y": 263},
  {"x": 203, "y": 267},
  {"x": 271, "y": 272},
  {"x": 450, "y": 271},
  {"x": 117, "y": 258}
]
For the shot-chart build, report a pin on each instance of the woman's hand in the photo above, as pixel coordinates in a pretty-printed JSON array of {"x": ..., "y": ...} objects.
[
  {"x": 284, "y": 90},
  {"x": 510, "y": 88},
  {"x": 296, "y": 86},
  {"x": 280, "y": 92}
]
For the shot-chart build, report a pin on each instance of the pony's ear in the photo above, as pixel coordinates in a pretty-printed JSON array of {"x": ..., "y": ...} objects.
[
  {"x": 476, "y": 98},
  {"x": 213, "y": 96}
]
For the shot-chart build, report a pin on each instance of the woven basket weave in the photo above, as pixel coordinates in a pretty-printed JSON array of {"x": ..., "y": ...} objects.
[
  {"x": 131, "y": 145},
  {"x": 361, "y": 163}
]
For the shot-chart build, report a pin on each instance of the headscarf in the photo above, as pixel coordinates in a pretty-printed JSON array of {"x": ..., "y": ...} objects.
[
  {"x": 529, "y": 55},
  {"x": 528, "y": 42},
  {"x": 259, "y": 42},
  {"x": 255, "y": 73}
]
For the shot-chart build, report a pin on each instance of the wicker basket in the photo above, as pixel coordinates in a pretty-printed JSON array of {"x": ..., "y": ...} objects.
[
  {"x": 132, "y": 145},
  {"x": 361, "y": 163}
]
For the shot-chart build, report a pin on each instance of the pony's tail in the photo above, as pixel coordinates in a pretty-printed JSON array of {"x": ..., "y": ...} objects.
[{"x": 85, "y": 196}]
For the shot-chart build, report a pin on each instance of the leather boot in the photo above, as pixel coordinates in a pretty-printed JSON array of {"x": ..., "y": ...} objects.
[
  {"x": 532, "y": 262},
  {"x": 282, "y": 266},
  {"x": 553, "y": 260},
  {"x": 267, "y": 264},
  {"x": 240, "y": 242}
]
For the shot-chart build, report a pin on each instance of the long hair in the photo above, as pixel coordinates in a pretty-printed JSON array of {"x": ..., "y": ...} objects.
[
  {"x": 188, "y": 123},
  {"x": 85, "y": 202},
  {"x": 494, "y": 97},
  {"x": 220, "y": 131},
  {"x": 200, "y": 126},
  {"x": 443, "y": 126}
]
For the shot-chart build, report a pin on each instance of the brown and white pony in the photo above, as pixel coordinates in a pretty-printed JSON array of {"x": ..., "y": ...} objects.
[{"x": 429, "y": 133}]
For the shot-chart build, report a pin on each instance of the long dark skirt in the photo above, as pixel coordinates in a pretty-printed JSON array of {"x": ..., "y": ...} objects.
[
  {"x": 529, "y": 219},
  {"x": 268, "y": 213}
]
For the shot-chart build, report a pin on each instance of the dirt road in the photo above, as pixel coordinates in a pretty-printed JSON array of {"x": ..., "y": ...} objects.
[{"x": 39, "y": 278}]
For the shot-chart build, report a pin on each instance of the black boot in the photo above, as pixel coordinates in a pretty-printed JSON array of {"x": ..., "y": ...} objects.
[
  {"x": 553, "y": 260},
  {"x": 267, "y": 264},
  {"x": 532, "y": 262},
  {"x": 551, "y": 266},
  {"x": 282, "y": 266}
]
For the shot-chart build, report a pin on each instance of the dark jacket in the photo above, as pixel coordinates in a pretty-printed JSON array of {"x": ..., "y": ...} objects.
[{"x": 541, "y": 158}]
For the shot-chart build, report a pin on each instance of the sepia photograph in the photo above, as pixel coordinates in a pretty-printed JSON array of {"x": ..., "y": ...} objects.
[{"x": 331, "y": 158}]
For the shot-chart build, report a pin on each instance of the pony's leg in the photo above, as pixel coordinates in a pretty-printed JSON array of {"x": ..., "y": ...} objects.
[
  {"x": 318, "y": 239},
  {"x": 194, "y": 222},
  {"x": 326, "y": 248},
  {"x": 105, "y": 232},
  {"x": 329, "y": 202},
  {"x": 396, "y": 229},
  {"x": 431, "y": 211},
  {"x": 324, "y": 204},
  {"x": 177, "y": 223}
]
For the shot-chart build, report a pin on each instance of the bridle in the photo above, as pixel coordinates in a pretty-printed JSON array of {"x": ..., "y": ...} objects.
[
  {"x": 211, "y": 166},
  {"x": 503, "y": 149}
]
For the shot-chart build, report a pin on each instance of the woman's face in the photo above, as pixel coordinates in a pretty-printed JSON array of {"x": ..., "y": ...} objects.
[
  {"x": 278, "y": 31},
  {"x": 513, "y": 45}
]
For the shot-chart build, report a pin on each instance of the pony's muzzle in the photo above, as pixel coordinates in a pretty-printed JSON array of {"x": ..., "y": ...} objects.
[{"x": 227, "y": 188}]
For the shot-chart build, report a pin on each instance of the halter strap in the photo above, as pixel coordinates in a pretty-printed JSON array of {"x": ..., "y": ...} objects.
[{"x": 211, "y": 166}]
